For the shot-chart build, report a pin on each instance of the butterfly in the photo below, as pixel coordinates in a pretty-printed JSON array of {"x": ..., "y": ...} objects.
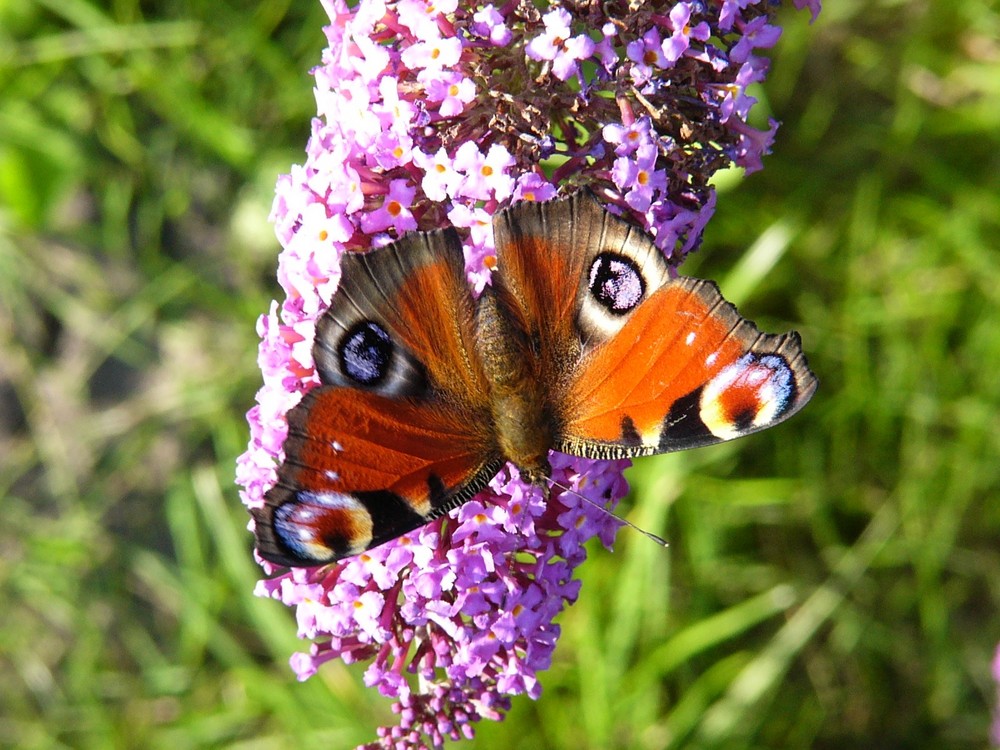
[{"x": 583, "y": 343}]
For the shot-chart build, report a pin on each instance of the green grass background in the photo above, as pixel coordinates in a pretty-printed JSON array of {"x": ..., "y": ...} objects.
[{"x": 832, "y": 583}]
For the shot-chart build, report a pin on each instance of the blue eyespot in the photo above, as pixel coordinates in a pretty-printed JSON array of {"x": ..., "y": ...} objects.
[
  {"x": 616, "y": 283},
  {"x": 366, "y": 353}
]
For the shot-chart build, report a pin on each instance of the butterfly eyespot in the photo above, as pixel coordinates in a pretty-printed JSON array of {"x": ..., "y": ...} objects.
[
  {"x": 752, "y": 392},
  {"x": 616, "y": 283},
  {"x": 360, "y": 353},
  {"x": 322, "y": 526},
  {"x": 366, "y": 353}
]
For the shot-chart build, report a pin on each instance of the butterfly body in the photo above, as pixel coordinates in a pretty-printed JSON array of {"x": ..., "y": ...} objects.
[
  {"x": 583, "y": 344},
  {"x": 522, "y": 421}
]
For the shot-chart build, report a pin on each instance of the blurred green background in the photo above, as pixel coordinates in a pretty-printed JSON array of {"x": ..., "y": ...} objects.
[{"x": 830, "y": 583}]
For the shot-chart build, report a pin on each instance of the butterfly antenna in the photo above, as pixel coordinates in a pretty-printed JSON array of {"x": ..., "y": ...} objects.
[{"x": 648, "y": 534}]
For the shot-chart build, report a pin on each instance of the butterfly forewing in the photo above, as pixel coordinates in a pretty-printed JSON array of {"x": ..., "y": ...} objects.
[
  {"x": 362, "y": 469},
  {"x": 685, "y": 371}
]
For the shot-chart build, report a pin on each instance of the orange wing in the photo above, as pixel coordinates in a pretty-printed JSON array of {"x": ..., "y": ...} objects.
[
  {"x": 685, "y": 371},
  {"x": 636, "y": 362},
  {"x": 362, "y": 469},
  {"x": 546, "y": 254},
  {"x": 400, "y": 431}
]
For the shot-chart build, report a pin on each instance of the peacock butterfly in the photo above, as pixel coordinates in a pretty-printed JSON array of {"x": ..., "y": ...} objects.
[{"x": 584, "y": 344}]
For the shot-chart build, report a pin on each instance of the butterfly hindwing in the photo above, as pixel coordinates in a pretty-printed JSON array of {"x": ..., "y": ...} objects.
[
  {"x": 550, "y": 255},
  {"x": 412, "y": 294},
  {"x": 399, "y": 431}
]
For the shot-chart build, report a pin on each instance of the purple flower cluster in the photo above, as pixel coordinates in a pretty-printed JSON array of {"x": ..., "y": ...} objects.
[
  {"x": 436, "y": 114},
  {"x": 466, "y": 605}
]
